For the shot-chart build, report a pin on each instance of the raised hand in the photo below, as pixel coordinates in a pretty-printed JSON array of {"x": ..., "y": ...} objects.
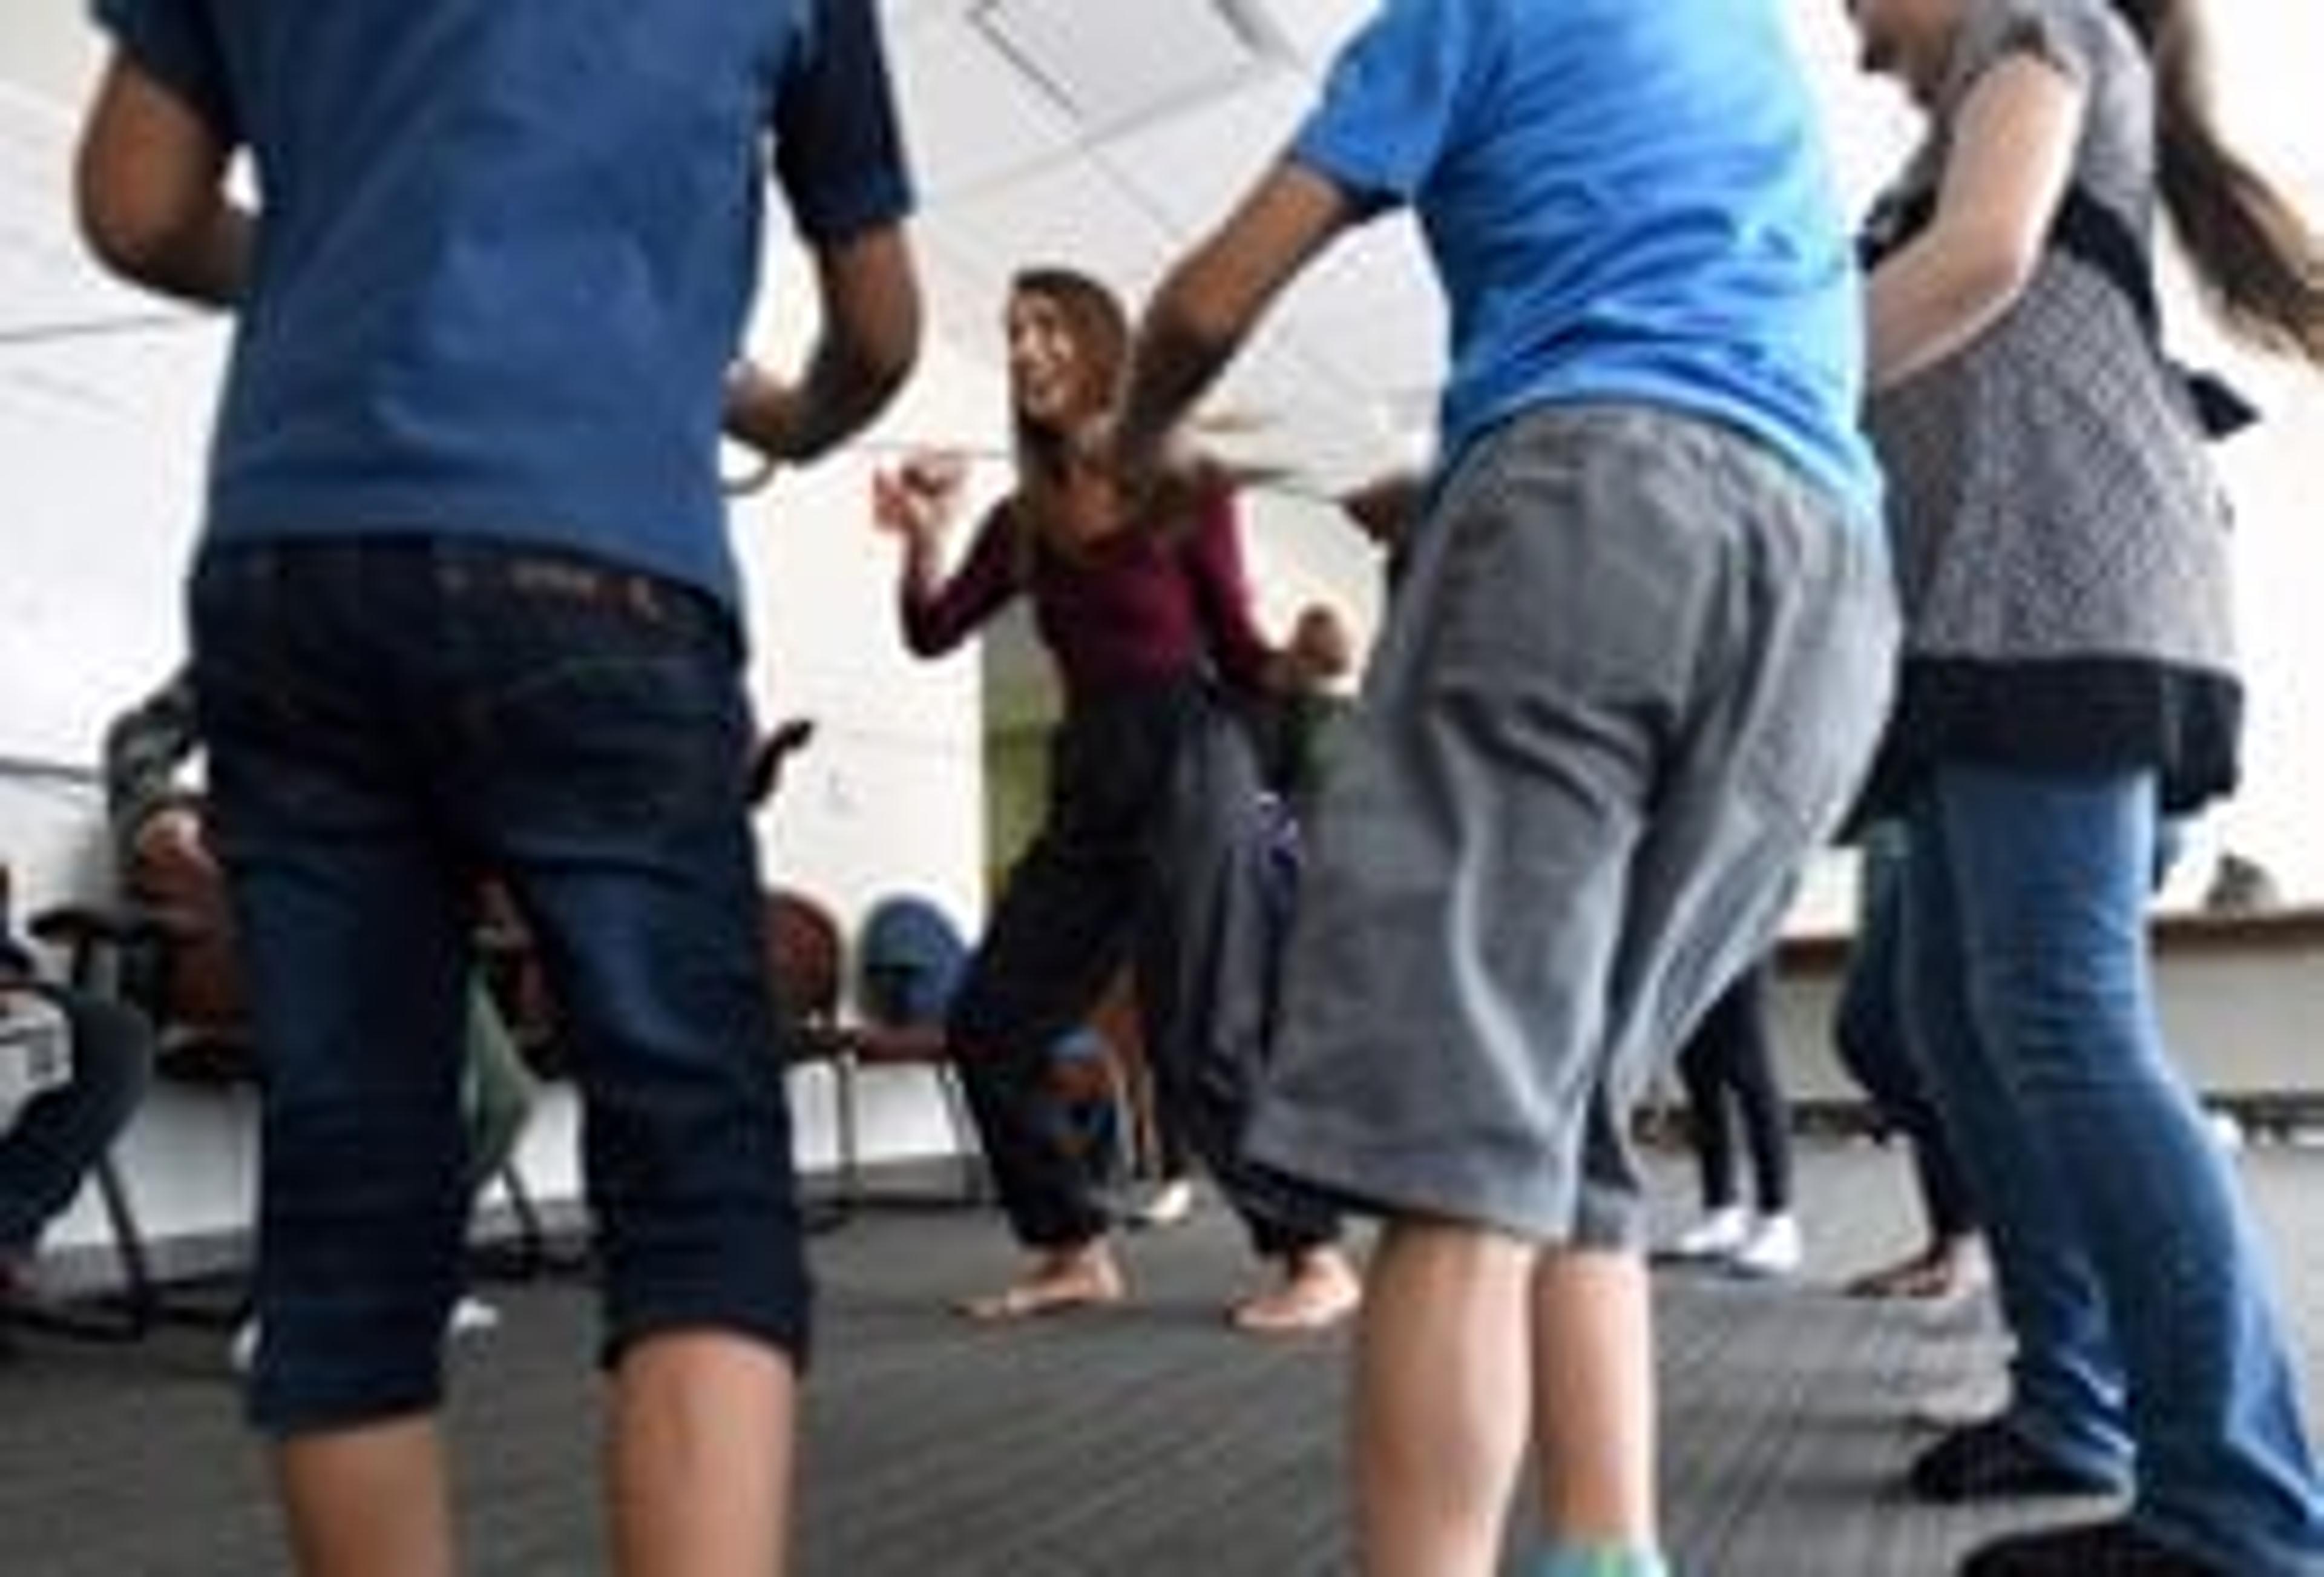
[{"x": 919, "y": 499}]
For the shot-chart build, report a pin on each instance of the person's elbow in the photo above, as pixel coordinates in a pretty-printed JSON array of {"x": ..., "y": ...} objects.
[
  {"x": 149, "y": 193},
  {"x": 1985, "y": 263},
  {"x": 1995, "y": 267},
  {"x": 874, "y": 318},
  {"x": 140, "y": 240}
]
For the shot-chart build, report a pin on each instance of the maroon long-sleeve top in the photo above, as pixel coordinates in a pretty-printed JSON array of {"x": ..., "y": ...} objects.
[{"x": 1140, "y": 606}]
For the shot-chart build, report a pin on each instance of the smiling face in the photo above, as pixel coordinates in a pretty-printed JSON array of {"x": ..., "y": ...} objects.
[
  {"x": 1047, "y": 368},
  {"x": 1068, "y": 339}
]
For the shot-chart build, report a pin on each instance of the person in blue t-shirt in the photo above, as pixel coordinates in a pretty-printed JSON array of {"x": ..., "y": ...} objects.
[
  {"x": 1632, "y": 668},
  {"x": 464, "y": 606}
]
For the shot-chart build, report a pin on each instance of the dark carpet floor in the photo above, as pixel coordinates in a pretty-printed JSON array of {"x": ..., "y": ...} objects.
[{"x": 1145, "y": 1440}]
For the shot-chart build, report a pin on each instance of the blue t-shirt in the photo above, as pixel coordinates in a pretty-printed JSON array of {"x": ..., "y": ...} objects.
[
  {"x": 507, "y": 249},
  {"x": 1624, "y": 200}
]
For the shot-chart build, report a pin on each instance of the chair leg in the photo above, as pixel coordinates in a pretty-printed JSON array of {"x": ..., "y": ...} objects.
[
  {"x": 141, "y": 1300},
  {"x": 1126, "y": 1157},
  {"x": 843, "y": 1097},
  {"x": 531, "y": 1257},
  {"x": 831, "y": 1210},
  {"x": 141, "y": 1304},
  {"x": 966, "y": 1143},
  {"x": 124, "y": 1318}
]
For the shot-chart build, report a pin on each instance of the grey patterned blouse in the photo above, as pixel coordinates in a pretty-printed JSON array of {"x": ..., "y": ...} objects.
[{"x": 2061, "y": 540}]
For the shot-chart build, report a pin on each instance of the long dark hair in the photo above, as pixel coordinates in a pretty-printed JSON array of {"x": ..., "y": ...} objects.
[{"x": 2258, "y": 262}]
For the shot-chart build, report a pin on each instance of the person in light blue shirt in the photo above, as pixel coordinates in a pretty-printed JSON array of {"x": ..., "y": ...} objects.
[
  {"x": 464, "y": 606},
  {"x": 1648, "y": 219},
  {"x": 1632, "y": 669}
]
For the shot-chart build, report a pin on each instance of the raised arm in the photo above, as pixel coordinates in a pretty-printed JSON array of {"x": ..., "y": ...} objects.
[
  {"x": 918, "y": 502},
  {"x": 1210, "y": 301}
]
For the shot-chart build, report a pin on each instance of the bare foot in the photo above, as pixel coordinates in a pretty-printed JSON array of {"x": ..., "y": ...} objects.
[
  {"x": 1084, "y": 1276},
  {"x": 1320, "y": 1288}
]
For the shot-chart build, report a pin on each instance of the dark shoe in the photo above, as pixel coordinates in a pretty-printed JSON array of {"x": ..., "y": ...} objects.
[
  {"x": 2090, "y": 1549},
  {"x": 1992, "y": 1462}
]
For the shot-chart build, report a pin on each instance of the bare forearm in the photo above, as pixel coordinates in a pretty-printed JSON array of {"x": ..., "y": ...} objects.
[
  {"x": 838, "y": 394},
  {"x": 1925, "y": 306},
  {"x": 870, "y": 338},
  {"x": 1214, "y": 297},
  {"x": 1178, "y": 357}
]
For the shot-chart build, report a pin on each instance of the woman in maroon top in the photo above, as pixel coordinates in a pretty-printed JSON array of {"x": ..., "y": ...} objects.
[{"x": 1149, "y": 851}]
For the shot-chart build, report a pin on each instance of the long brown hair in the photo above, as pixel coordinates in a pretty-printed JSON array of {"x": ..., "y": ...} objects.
[
  {"x": 1048, "y": 471},
  {"x": 1099, "y": 330},
  {"x": 2258, "y": 262}
]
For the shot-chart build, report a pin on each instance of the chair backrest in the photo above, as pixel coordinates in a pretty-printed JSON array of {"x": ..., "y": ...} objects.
[
  {"x": 909, "y": 961},
  {"x": 803, "y": 954}
]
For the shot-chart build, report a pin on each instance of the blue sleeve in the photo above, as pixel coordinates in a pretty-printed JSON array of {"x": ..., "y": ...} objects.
[
  {"x": 176, "y": 43},
  {"x": 838, "y": 152},
  {"x": 1392, "y": 100}
]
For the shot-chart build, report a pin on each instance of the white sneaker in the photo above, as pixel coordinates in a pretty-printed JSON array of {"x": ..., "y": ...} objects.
[
  {"x": 1771, "y": 1248},
  {"x": 1717, "y": 1236},
  {"x": 242, "y": 1351},
  {"x": 1971, "y": 1396},
  {"x": 1171, "y": 1204},
  {"x": 471, "y": 1316}
]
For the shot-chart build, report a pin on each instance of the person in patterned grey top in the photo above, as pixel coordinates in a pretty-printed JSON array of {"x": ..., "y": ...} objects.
[{"x": 2067, "y": 673}]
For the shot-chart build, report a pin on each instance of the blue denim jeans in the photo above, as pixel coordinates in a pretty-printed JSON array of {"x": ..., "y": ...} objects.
[
  {"x": 388, "y": 722},
  {"x": 2148, "y": 1341}
]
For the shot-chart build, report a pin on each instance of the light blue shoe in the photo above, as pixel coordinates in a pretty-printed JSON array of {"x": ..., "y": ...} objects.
[{"x": 1596, "y": 1560}]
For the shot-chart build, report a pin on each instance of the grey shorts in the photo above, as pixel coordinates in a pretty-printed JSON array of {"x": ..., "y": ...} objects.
[{"x": 1629, "y": 680}]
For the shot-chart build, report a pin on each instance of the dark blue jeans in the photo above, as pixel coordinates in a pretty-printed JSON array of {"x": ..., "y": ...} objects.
[
  {"x": 57, "y": 1138},
  {"x": 388, "y": 722},
  {"x": 2149, "y": 1339}
]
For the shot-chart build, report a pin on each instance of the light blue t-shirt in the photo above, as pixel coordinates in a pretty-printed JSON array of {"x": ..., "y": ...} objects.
[
  {"x": 1624, "y": 199},
  {"x": 507, "y": 248}
]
